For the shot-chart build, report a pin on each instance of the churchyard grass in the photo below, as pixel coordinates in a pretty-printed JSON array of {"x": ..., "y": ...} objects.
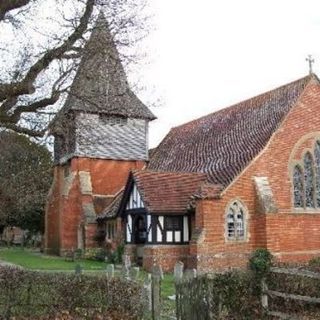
[{"x": 34, "y": 260}]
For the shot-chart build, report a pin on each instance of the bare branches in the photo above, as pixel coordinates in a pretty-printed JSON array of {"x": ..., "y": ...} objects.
[
  {"x": 11, "y": 92},
  {"x": 40, "y": 71},
  {"x": 26, "y": 86},
  {"x": 8, "y": 5},
  {"x": 20, "y": 129}
]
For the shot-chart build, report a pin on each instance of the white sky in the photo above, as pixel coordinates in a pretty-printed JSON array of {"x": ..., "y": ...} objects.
[{"x": 207, "y": 54}]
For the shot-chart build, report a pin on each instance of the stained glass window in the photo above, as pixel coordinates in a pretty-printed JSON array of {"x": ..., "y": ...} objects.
[
  {"x": 309, "y": 180},
  {"x": 298, "y": 187},
  {"x": 317, "y": 163},
  {"x": 235, "y": 221}
]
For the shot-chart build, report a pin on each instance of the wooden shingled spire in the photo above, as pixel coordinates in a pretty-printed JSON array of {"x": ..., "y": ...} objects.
[{"x": 100, "y": 84}]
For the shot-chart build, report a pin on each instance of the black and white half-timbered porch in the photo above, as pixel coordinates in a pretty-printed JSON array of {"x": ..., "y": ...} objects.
[
  {"x": 156, "y": 213},
  {"x": 144, "y": 227}
]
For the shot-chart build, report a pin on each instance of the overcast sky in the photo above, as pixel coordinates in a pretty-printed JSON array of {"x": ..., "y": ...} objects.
[{"x": 206, "y": 54}]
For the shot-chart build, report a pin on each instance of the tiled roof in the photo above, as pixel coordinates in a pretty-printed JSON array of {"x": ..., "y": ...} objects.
[
  {"x": 223, "y": 143},
  {"x": 112, "y": 209},
  {"x": 100, "y": 84},
  {"x": 167, "y": 192}
]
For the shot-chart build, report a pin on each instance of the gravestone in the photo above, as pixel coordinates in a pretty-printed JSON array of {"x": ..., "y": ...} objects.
[
  {"x": 157, "y": 270},
  {"x": 127, "y": 261},
  {"x": 78, "y": 269},
  {"x": 134, "y": 273},
  {"x": 147, "y": 288},
  {"x": 190, "y": 274},
  {"x": 110, "y": 270},
  {"x": 126, "y": 266},
  {"x": 178, "y": 271},
  {"x": 157, "y": 275}
]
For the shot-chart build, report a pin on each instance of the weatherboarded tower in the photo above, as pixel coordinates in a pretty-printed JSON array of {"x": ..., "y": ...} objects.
[{"x": 100, "y": 134}]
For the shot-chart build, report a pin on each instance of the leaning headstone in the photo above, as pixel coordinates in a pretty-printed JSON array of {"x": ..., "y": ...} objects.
[
  {"x": 78, "y": 269},
  {"x": 110, "y": 270},
  {"x": 178, "y": 271}
]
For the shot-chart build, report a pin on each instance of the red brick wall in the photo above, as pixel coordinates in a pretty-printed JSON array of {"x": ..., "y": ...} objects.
[
  {"x": 64, "y": 213},
  {"x": 289, "y": 234},
  {"x": 52, "y": 219},
  {"x": 107, "y": 176},
  {"x": 165, "y": 256}
]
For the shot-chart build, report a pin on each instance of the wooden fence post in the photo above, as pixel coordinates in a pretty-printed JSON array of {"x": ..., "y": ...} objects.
[
  {"x": 156, "y": 292},
  {"x": 264, "y": 295}
]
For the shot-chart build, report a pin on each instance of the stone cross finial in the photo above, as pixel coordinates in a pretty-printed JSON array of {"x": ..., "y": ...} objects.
[{"x": 311, "y": 62}]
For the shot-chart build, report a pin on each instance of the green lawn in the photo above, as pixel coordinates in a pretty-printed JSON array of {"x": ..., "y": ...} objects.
[{"x": 33, "y": 260}]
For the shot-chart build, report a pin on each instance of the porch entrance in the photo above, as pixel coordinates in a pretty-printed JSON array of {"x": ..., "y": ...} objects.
[{"x": 139, "y": 228}]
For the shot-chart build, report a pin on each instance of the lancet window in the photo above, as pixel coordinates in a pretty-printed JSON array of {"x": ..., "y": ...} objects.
[
  {"x": 306, "y": 180},
  {"x": 235, "y": 221}
]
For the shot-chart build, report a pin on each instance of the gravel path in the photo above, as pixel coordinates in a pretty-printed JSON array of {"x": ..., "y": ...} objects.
[{"x": 7, "y": 264}]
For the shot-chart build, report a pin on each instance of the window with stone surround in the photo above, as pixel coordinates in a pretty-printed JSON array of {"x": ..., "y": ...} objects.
[
  {"x": 235, "y": 221},
  {"x": 306, "y": 180}
]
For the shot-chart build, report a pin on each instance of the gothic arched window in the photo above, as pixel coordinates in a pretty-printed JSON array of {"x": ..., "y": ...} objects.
[
  {"x": 298, "y": 187},
  {"x": 306, "y": 180},
  {"x": 235, "y": 221},
  {"x": 317, "y": 164},
  {"x": 309, "y": 180}
]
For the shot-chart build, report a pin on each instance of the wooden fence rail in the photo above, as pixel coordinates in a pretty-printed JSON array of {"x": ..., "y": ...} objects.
[{"x": 267, "y": 293}]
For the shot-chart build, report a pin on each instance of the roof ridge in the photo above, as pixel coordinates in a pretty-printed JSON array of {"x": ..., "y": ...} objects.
[
  {"x": 221, "y": 144},
  {"x": 166, "y": 172},
  {"x": 312, "y": 76}
]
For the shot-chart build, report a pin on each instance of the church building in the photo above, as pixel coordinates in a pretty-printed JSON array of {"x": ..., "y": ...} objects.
[
  {"x": 213, "y": 191},
  {"x": 221, "y": 186}
]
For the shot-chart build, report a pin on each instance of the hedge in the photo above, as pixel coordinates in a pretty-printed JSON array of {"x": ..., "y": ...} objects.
[{"x": 39, "y": 295}]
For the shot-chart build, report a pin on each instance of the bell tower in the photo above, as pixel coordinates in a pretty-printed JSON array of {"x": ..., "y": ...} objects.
[{"x": 100, "y": 134}]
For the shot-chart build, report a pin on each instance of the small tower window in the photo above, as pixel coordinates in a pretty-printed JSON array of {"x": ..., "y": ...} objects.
[{"x": 113, "y": 121}]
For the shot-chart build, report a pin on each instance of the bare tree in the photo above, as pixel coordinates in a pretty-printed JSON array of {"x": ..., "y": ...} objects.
[{"x": 39, "y": 80}]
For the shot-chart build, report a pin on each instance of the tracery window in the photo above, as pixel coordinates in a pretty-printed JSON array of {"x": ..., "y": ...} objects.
[
  {"x": 306, "y": 180},
  {"x": 298, "y": 187},
  {"x": 235, "y": 221},
  {"x": 317, "y": 165}
]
